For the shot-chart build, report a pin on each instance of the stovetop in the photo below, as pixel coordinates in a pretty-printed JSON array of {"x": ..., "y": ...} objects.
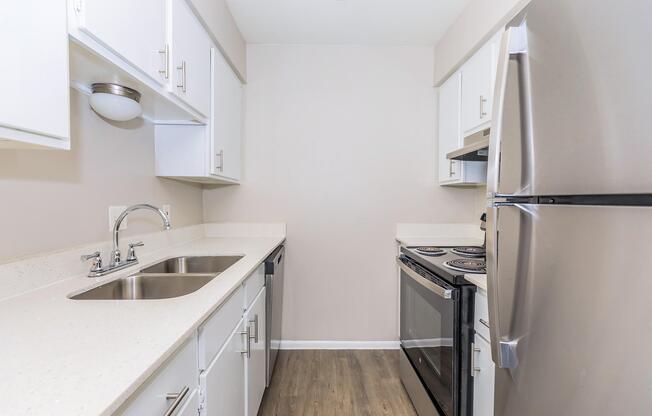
[{"x": 446, "y": 263}]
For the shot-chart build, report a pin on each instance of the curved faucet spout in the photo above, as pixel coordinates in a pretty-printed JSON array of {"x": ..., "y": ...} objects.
[{"x": 116, "y": 227}]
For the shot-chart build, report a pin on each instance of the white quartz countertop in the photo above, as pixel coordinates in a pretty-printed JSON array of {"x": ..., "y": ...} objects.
[
  {"x": 480, "y": 280},
  {"x": 72, "y": 357}
]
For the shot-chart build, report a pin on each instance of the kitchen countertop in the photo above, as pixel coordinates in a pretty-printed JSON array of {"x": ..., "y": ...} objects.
[
  {"x": 74, "y": 357},
  {"x": 480, "y": 280}
]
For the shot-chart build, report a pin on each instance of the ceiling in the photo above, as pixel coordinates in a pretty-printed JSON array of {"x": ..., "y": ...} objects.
[{"x": 358, "y": 22}]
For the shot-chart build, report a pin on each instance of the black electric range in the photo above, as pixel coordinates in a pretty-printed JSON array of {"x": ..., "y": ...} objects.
[{"x": 436, "y": 313}]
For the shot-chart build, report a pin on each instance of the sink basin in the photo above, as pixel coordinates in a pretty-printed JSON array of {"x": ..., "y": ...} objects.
[
  {"x": 147, "y": 286},
  {"x": 204, "y": 264},
  {"x": 169, "y": 278}
]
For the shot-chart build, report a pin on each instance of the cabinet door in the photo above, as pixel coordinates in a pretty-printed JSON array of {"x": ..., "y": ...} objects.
[
  {"x": 134, "y": 30},
  {"x": 191, "y": 58},
  {"x": 226, "y": 123},
  {"x": 477, "y": 90},
  {"x": 483, "y": 378},
  {"x": 255, "y": 318},
  {"x": 177, "y": 375},
  {"x": 449, "y": 129},
  {"x": 34, "y": 92},
  {"x": 223, "y": 382}
]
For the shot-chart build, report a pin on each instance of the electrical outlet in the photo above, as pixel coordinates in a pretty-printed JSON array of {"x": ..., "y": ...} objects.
[
  {"x": 114, "y": 213},
  {"x": 167, "y": 209}
]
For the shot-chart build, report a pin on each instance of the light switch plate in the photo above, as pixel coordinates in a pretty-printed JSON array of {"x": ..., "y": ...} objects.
[
  {"x": 167, "y": 209},
  {"x": 114, "y": 213}
]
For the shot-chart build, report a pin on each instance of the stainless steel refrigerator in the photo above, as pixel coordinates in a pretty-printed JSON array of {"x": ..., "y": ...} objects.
[{"x": 569, "y": 233}]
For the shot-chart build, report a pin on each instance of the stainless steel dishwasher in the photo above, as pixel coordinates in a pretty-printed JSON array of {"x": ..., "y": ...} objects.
[{"x": 274, "y": 267}]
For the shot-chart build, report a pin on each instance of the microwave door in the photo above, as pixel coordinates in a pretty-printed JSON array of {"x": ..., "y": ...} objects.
[
  {"x": 572, "y": 101},
  {"x": 569, "y": 309}
]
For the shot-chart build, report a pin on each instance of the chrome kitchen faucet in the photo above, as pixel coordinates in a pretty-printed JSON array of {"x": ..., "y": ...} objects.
[{"x": 97, "y": 269}]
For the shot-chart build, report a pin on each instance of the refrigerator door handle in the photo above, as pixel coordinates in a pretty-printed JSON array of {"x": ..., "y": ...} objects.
[
  {"x": 510, "y": 159},
  {"x": 493, "y": 167},
  {"x": 503, "y": 349}
]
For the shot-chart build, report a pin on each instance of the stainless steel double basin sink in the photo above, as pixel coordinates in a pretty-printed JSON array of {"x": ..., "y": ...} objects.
[{"x": 170, "y": 278}]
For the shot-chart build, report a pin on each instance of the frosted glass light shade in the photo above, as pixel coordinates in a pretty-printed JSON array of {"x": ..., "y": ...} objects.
[{"x": 115, "y": 102}]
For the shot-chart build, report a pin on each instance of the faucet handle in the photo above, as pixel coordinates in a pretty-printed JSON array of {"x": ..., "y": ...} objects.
[
  {"x": 131, "y": 255},
  {"x": 96, "y": 255},
  {"x": 97, "y": 260}
]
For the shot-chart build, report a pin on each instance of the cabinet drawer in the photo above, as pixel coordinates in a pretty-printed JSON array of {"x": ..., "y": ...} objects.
[
  {"x": 253, "y": 284},
  {"x": 481, "y": 320},
  {"x": 215, "y": 331},
  {"x": 173, "y": 377}
]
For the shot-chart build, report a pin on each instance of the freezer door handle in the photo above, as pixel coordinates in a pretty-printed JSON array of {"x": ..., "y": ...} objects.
[{"x": 510, "y": 160}]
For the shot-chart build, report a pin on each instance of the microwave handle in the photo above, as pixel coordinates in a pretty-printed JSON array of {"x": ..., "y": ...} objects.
[{"x": 433, "y": 287}]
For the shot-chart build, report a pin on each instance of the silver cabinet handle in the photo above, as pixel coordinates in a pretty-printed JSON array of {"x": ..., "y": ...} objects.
[
  {"x": 178, "y": 400},
  {"x": 441, "y": 291},
  {"x": 485, "y": 323},
  {"x": 482, "y": 102},
  {"x": 255, "y": 323},
  {"x": 182, "y": 68},
  {"x": 474, "y": 350},
  {"x": 451, "y": 171},
  {"x": 247, "y": 334},
  {"x": 220, "y": 167},
  {"x": 166, "y": 71}
]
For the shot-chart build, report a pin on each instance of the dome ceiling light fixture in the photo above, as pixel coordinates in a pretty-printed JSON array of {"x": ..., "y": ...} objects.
[{"x": 115, "y": 102}]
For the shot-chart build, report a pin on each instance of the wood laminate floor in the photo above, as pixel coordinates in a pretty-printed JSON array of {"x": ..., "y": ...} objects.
[{"x": 336, "y": 383}]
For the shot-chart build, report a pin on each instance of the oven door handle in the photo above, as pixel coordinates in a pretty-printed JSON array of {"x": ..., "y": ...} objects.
[{"x": 433, "y": 287}]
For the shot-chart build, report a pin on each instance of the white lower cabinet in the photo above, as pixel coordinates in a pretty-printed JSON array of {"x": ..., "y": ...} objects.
[
  {"x": 219, "y": 372},
  {"x": 255, "y": 317},
  {"x": 483, "y": 378},
  {"x": 223, "y": 382},
  {"x": 173, "y": 386},
  {"x": 483, "y": 366},
  {"x": 232, "y": 371}
]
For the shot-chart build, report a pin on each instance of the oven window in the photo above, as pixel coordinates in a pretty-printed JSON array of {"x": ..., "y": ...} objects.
[{"x": 427, "y": 336}]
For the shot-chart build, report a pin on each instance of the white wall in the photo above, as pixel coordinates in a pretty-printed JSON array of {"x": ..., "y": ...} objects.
[
  {"x": 52, "y": 200},
  {"x": 340, "y": 144},
  {"x": 480, "y": 20},
  {"x": 218, "y": 20}
]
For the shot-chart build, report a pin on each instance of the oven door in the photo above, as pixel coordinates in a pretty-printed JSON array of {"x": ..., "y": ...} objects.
[{"x": 430, "y": 334}]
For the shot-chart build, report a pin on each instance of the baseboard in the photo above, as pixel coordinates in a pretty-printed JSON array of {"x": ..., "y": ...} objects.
[{"x": 340, "y": 345}]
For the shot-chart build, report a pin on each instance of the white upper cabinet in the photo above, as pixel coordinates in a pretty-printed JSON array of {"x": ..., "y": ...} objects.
[
  {"x": 226, "y": 122},
  {"x": 191, "y": 58},
  {"x": 34, "y": 92},
  {"x": 478, "y": 78},
  {"x": 206, "y": 154},
  {"x": 454, "y": 172},
  {"x": 449, "y": 128},
  {"x": 134, "y": 30}
]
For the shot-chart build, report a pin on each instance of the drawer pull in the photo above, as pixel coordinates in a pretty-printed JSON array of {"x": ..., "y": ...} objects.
[
  {"x": 247, "y": 334},
  {"x": 485, "y": 323},
  {"x": 178, "y": 399},
  {"x": 255, "y": 323}
]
